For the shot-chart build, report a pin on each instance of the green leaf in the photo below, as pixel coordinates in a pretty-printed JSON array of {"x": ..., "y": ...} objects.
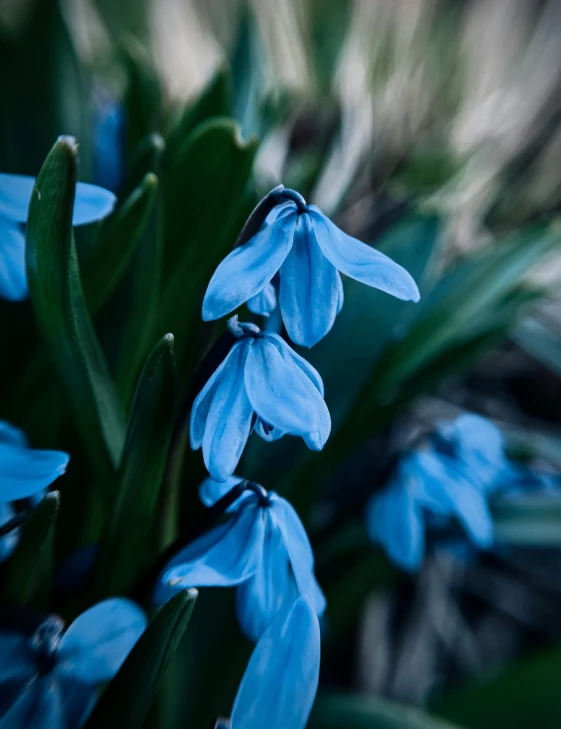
[
  {"x": 124, "y": 549},
  {"x": 215, "y": 100},
  {"x": 143, "y": 98},
  {"x": 138, "y": 301},
  {"x": 127, "y": 699},
  {"x": 146, "y": 158},
  {"x": 29, "y": 578},
  {"x": 60, "y": 311},
  {"x": 523, "y": 696},
  {"x": 540, "y": 343},
  {"x": 117, "y": 241},
  {"x": 205, "y": 203},
  {"x": 354, "y": 711}
]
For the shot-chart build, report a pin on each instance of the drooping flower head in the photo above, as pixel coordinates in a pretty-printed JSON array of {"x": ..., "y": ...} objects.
[
  {"x": 263, "y": 549},
  {"x": 92, "y": 203},
  {"x": 50, "y": 679},
  {"x": 309, "y": 252},
  {"x": 262, "y": 385},
  {"x": 448, "y": 478},
  {"x": 25, "y": 471},
  {"x": 280, "y": 682}
]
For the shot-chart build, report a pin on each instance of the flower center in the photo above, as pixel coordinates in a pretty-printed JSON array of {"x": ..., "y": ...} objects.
[
  {"x": 45, "y": 642},
  {"x": 241, "y": 329}
]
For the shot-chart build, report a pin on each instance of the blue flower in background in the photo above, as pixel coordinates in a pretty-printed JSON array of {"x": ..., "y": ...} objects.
[
  {"x": 92, "y": 203},
  {"x": 24, "y": 471},
  {"x": 263, "y": 549},
  {"x": 451, "y": 478},
  {"x": 309, "y": 252},
  {"x": 50, "y": 679},
  {"x": 108, "y": 140},
  {"x": 280, "y": 682},
  {"x": 262, "y": 384}
]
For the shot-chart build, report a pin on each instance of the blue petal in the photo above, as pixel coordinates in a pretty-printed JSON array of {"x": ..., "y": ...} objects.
[
  {"x": 264, "y": 302},
  {"x": 13, "y": 275},
  {"x": 340, "y": 293},
  {"x": 249, "y": 268},
  {"x": 271, "y": 588},
  {"x": 15, "y": 194},
  {"x": 24, "y": 471},
  {"x": 98, "y": 641},
  {"x": 210, "y": 491},
  {"x": 287, "y": 352},
  {"x": 11, "y": 435},
  {"x": 280, "y": 682},
  {"x": 309, "y": 292},
  {"x": 92, "y": 202},
  {"x": 225, "y": 556},
  {"x": 18, "y": 661},
  {"x": 445, "y": 488},
  {"x": 283, "y": 395},
  {"x": 201, "y": 406},
  {"x": 299, "y": 551},
  {"x": 395, "y": 520},
  {"x": 50, "y": 702},
  {"x": 360, "y": 261},
  {"x": 228, "y": 422},
  {"x": 475, "y": 441}
]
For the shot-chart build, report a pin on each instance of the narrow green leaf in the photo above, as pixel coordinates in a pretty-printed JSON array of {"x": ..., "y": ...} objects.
[
  {"x": 215, "y": 100},
  {"x": 117, "y": 241},
  {"x": 29, "y": 578},
  {"x": 124, "y": 550},
  {"x": 61, "y": 314},
  {"x": 205, "y": 203},
  {"x": 139, "y": 306},
  {"x": 143, "y": 98},
  {"x": 354, "y": 711},
  {"x": 146, "y": 158},
  {"x": 127, "y": 699}
]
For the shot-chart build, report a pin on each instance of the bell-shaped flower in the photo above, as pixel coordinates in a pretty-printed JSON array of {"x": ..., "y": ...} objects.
[
  {"x": 92, "y": 203},
  {"x": 24, "y": 471},
  {"x": 262, "y": 384},
  {"x": 51, "y": 678},
  {"x": 309, "y": 252},
  {"x": 263, "y": 549},
  {"x": 280, "y": 682},
  {"x": 448, "y": 480}
]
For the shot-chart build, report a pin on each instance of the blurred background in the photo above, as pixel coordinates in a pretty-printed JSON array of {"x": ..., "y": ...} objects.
[{"x": 430, "y": 128}]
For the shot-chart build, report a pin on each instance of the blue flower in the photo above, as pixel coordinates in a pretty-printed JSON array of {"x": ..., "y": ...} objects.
[
  {"x": 309, "y": 252},
  {"x": 263, "y": 385},
  {"x": 451, "y": 478},
  {"x": 108, "y": 140},
  {"x": 92, "y": 203},
  {"x": 24, "y": 471},
  {"x": 263, "y": 549},
  {"x": 280, "y": 682},
  {"x": 50, "y": 679}
]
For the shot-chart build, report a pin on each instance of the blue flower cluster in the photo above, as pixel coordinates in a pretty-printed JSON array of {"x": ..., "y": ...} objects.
[
  {"x": 261, "y": 549},
  {"x": 447, "y": 480}
]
